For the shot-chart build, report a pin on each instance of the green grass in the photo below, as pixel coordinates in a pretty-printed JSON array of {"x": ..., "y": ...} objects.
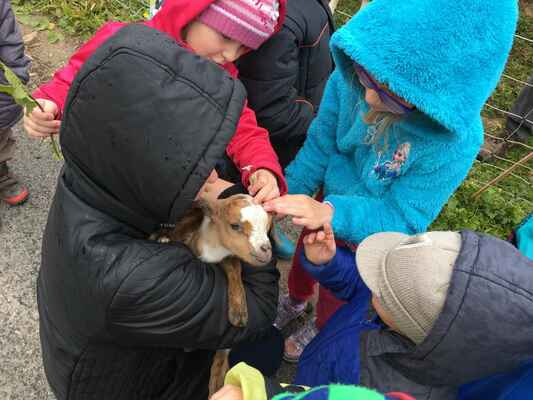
[
  {"x": 497, "y": 211},
  {"x": 83, "y": 17}
]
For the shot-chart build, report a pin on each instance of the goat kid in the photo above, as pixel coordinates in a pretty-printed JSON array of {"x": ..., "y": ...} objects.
[{"x": 226, "y": 232}]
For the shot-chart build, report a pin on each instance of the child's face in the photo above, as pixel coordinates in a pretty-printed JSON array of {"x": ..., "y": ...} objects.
[
  {"x": 212, "y": 178},
  {"x": 399, "y": 156},
  {"x": 211, "y": 44},
  {"x": 384, "y": 315}
]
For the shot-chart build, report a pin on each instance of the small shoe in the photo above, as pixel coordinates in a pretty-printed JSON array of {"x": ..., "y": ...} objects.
[
  {"x": 11, "y": 191},
  {"x": 288, "y": 311},
  {"x": 283, "y": 246},
  {"x": 15, "y": 194},
  {"x": 296, "y": 343}
]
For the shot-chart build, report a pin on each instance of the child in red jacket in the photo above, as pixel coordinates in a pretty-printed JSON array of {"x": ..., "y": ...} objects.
[{"x": 220, "y": 30}]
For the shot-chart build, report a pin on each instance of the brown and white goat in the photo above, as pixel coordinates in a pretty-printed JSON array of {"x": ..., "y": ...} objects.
[{"x": 226, "y": 232}]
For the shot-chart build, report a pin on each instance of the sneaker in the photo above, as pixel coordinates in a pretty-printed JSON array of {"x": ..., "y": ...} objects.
[
  {"x": 283, "y": 246},
  {"x": 288, "y": 311},
  {"x": 11, "y": 191},
  {"x": 296, "y": 343}
]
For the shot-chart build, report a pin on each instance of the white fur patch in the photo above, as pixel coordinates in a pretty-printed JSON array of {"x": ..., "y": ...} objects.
[
  {"x": 208, "y": 252},
  {"x": 258, "y": 219}
]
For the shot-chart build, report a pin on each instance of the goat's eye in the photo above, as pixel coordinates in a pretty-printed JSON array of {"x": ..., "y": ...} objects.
[{"x": 236, "y": 227}]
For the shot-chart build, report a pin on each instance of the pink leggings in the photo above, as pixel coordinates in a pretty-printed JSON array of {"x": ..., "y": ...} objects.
[{"x": 302, "y": 286}]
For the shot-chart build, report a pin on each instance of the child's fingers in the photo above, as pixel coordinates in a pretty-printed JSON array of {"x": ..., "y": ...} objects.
[
  {"x": 43, "y": 123},
  {"x": 228, "y": 392},
  {"x": 320, "y": 236},
  {"x": 328, "y": 231},
  {"x": 310, "y": 239},
  {"x": 288, "y": 205},
  {"x": 268, "y": 192},
  {"x": 39, "y": 115},
  {"x": 302, "y": 222},
  {"x": 36, "y": 130}
]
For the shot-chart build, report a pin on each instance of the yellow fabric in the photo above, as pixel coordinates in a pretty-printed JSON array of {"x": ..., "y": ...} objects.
[{"x": 249, "y": 380}]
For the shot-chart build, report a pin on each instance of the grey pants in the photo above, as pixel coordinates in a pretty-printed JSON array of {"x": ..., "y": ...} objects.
[
  {"x": 523, "y": 107},
  {"x": 7, "y": 147}
]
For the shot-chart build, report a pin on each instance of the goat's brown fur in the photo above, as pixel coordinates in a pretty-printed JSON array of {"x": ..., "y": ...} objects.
[{"x": 224, "y": 215}]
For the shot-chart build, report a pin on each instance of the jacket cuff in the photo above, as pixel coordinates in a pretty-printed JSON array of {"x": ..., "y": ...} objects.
[
  {"x": 329, "y": 271},
  {"x": 249, "y": 380}
]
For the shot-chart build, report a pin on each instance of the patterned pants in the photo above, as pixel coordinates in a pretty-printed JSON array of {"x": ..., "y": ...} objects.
[{"x": 7, "y": 147}]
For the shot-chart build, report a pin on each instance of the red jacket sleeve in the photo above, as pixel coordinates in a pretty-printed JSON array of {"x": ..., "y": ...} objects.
[
  {"x": 250, "y": 150},
  {"x": 57, "y": 89}
]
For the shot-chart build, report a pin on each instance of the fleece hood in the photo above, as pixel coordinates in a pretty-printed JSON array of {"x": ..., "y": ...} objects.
[
  {"x": 443, "y": 56},
  {"x": 174, "y": 15},
  {"x": 145, "y": 123}
]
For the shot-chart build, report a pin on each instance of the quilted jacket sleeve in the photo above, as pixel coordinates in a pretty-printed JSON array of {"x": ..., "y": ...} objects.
[
  {"x": 275, "y": 99},
  {"x": 305, "y": 174},
  {"x": 250, "y": 150},
  {"x": 11, "y": 43},
  {"x": 173, "y": 299},
  {"x": 12, "y": 55}
]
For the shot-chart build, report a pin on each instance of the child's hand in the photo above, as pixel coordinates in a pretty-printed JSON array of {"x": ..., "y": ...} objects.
[
  {"x": 263, "y": 186},
  {"x": 305, "y": 210},
  {"x": 228, "y": 392},
  {"x": 42, "y": 124},
  {"x": 320, "y": 246}
]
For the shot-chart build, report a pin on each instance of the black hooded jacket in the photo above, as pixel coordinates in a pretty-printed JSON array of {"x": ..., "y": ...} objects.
[
  {"x": 285, "y": 78},
  {"x": 144, "y": 125}
]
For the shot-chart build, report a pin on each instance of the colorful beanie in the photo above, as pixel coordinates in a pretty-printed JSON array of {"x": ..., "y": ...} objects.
[{"x": 250, "y": 22}]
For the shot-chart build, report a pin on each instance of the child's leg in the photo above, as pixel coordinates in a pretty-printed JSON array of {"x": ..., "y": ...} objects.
[
  {"x": 301, "y": 288},
  {"x": 301, "y": 284},
  {"x": 7, "y": 145},
  {"x": 326, "y": 306},
  {"x": 11, "y": 191}
]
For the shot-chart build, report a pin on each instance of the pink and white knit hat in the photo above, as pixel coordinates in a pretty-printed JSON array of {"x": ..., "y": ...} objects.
[{"x": 250, "y": 22}]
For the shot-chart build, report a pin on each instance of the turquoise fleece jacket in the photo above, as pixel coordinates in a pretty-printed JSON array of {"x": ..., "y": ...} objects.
[{"x": 445, "y": 57}]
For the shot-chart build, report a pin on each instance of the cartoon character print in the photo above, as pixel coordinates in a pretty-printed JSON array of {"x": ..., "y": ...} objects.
[{"x": 392, "y": 169}]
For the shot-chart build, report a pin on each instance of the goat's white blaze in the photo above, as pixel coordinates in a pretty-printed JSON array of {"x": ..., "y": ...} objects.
[{"x": 258, "y": 219}]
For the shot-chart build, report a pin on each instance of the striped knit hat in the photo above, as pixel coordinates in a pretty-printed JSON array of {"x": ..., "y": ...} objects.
[{"x": 250, "y": 22}]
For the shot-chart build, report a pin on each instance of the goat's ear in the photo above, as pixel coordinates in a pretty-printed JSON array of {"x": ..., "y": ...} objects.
[{"x": 206, "y": 206}]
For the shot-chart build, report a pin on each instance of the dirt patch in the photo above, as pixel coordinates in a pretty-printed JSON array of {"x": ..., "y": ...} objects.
[
  {"x": 527, "y": 8},
  {"x": 46, "y": 57}
]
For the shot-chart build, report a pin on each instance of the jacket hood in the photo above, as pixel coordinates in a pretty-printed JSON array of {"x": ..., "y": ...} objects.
[
  {"x": 486, "y": 323},
  {"x": 175, "y": 15},
  {"x": 144, "y": 125},
  {"x": 445, "y": 57}
]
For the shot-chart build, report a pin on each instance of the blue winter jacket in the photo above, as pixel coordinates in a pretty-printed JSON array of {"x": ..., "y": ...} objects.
[
  {"x": 482, "y": 335},
  {"x": 443, "y": 57},
  {"x": 333, "y": 356}
]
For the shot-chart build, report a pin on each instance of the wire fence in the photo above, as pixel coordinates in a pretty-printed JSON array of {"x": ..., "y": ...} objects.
[{"x": 494, "y": 159}]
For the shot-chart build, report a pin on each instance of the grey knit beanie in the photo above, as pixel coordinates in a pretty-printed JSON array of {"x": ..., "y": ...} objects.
[{"x": 410, "y": 276}]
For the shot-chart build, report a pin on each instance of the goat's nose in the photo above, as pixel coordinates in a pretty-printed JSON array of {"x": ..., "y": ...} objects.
[{"x": 265, "y": 248}]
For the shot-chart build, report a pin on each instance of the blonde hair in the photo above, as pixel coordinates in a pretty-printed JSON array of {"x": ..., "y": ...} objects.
[{"x": 382, "y": 121}]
